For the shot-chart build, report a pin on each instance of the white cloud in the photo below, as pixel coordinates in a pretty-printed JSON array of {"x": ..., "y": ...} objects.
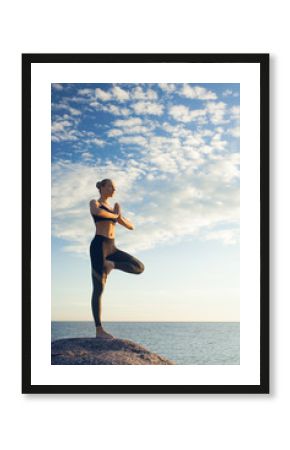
[
  {"x": 74, "y": 111},
  {"x": 229, "y": 237},
  {"x": 219, "y": 130},
  {"x": 147, "y": 108},
  {"x": 128, "y": 122},
  {"x": 103, "y": 95},
  {"x": 129, "y": 126},
  {"x": 217, "y": 112},
  {"x": 57, "y": 86},
  {"x": 217, "y": 142},
  {"x": 235, "y": 112},
  {"x": 114, "y": 132},
  {"x": 197, "y": 92},
  {"x": 120, "y": 94},
  {"x": 205, "y": 132},
  {"x": 60, "y": 126},
  {"x": 152, "y": 95},
  {"x": 227, "y": 92},
  {"x": 168, "y": 155},
  {"x": 98, "y": 142},
  {"x": 86, "y": 92},
  {"x": 87, "y": 155},
  {"x": 190, "y": 137},
  {"x": 139, "y": 94},
  {"x": 230, "y": 92},
  {"x": 96, "y": 104},
  {"x": 171, "y": 128},
  {"x": 137, "y": 130},
  {"x": 167, "y": 87},
  {"x": 135, "y": 140},
  {"x": 66, "y": 107},
  {"x": 194, "y": 139},
  {"x": 63, "y": 130},
  {"x": 66, "y": 135},
  {"x": 225, "y": 168},
  {"x": 110, "y": 108},
  {"x": 116, "y": 110},
  {"x": 235, "y": 132},
  {"x": 183, "y": 114}
]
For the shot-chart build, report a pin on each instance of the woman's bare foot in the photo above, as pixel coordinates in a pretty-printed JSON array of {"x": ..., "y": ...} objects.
[
  {"x": 109, "y": 265},
  {"x": 100, "y": 332}
]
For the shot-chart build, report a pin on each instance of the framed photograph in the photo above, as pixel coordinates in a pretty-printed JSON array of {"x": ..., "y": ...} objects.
[{"x": 145, "y": 223}]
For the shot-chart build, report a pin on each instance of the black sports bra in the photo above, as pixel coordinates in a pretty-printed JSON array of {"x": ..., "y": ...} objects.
[{"x": 99, "y": 219}]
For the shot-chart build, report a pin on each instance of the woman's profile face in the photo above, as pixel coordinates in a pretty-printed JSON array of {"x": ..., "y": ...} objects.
[{"x": 109, "y": 188}]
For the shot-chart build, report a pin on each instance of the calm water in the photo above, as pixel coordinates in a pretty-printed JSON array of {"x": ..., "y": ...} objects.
[{"x": 182, "y": 342}]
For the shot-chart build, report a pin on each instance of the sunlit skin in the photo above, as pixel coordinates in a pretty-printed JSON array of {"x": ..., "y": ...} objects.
[{"x": 108, "y": 228}]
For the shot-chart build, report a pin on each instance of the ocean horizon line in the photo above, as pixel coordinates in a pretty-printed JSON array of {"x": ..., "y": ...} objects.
[{"x": 153, "y": 321}]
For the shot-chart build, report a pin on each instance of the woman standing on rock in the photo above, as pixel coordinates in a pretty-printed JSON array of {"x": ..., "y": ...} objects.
[{"x": 105, "y": 256}]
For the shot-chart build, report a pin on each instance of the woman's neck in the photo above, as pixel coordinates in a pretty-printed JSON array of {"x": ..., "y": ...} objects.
[{"x": 103, "y": 199}]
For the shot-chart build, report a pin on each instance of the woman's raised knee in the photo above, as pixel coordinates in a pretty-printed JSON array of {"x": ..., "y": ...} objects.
[{"x": 140, "y": 267}]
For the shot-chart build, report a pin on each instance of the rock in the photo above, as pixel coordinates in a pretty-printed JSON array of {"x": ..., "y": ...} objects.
[{"x": 104, "y": 351}]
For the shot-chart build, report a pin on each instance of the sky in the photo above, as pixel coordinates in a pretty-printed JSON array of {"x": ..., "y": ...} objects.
[{"x": 173, "y": 152}]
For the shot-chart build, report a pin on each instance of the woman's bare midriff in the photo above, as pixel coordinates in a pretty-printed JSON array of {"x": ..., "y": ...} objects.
[{"x": 106, "y": 229}]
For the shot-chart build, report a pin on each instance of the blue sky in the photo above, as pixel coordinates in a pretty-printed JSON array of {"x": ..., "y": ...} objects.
[{"x": 173, "y": 152}]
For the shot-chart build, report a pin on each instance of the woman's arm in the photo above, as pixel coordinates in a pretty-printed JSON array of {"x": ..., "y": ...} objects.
[
  {"x": 94, "y": 208},
  {"x": 125, "y": 222},
  {"x": 122, "y": 220}
]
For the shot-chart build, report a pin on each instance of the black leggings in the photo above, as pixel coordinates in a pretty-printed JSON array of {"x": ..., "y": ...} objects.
[{"x": 103, "y": 248}]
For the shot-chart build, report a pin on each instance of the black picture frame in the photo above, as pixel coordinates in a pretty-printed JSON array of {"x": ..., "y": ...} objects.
[{"x": 263, "y": 61}]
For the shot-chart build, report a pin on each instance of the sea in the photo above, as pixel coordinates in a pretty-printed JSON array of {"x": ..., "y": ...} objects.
[{"x": 195, "y": 343}]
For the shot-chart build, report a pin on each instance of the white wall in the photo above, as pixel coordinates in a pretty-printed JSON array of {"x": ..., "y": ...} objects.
[{"x": 129, "y": 422}]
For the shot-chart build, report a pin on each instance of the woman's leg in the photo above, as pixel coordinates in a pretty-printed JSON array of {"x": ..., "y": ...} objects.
[
  {"x": 99, "y": 281},
  {"x": 125, "y": 262},
  {"x": 96, "y": 255},
  {"x": 98, "y": 288}
]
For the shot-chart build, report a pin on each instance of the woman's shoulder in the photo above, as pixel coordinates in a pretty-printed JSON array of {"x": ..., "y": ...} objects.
[{"x": 94, "y": 204}]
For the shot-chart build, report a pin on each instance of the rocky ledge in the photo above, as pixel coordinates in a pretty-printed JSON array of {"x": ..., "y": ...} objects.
[{"x": 85, "y": 351}]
